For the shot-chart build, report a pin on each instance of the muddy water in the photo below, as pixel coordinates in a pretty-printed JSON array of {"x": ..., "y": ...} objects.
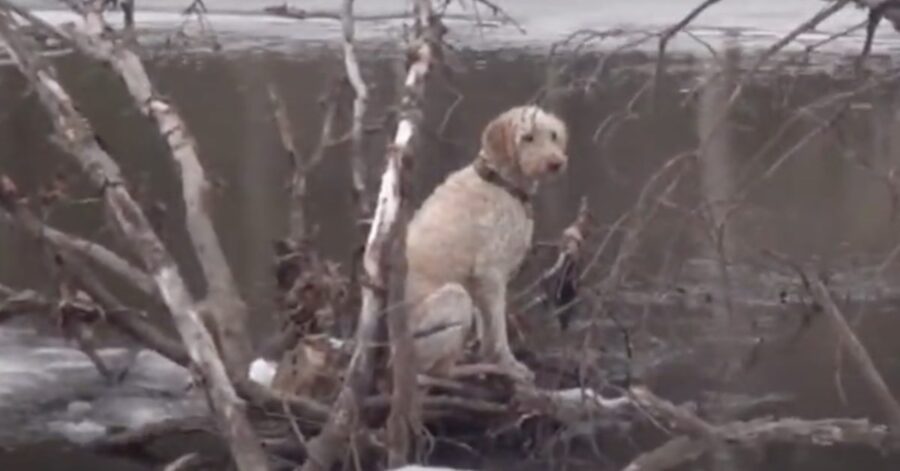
[
  {"x": 544, "y": 21},
  {"x": 696, "y": 331}
]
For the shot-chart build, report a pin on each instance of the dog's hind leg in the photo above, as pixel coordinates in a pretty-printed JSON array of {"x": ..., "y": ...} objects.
[{"x": 442, "y": 328}]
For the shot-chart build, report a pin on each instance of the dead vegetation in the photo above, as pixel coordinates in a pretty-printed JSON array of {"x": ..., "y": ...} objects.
[{"x": 339, "y": 400}]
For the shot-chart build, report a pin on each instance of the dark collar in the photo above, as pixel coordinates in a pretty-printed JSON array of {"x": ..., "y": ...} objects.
[{"x": 491, "y": 176}]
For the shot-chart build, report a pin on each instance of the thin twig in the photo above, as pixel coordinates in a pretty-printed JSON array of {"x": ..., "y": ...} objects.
[
  {"x": 670, "y": 32},
  {"x": 497, "y": 10},
  {"x": 807, "y": 25}
]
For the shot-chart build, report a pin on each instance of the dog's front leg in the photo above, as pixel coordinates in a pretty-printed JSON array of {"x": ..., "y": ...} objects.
[{"x": 490, "y": 297}]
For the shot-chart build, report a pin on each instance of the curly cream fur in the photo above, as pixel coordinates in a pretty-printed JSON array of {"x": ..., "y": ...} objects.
[{"x": 471, "y": 235}]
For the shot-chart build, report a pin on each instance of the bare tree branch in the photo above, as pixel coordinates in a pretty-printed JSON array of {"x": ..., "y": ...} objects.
[
  {"x": 35, "y": 20},
  {"x": 297, "y": 216},
  {"x": 858, "y": 353},
  {"x": 116, "y": 313},
  {"x": 498, "y": 11},
  {"x": 360, "y": 102},
  {"x": 302, "y": 163},
  {"x": 81, "y": 143},
  {"x": 325, "y": 448},
  {"x": 287, "y": 11},
  {"x": 670, "y": 32},
  {"x": 97, "y": 254},
  {"x": 223, "y": 299},
  {"x": 807, "y": 25}
]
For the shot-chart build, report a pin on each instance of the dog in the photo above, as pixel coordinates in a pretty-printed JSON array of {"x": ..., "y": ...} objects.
[{"x": 471, "y": 235}]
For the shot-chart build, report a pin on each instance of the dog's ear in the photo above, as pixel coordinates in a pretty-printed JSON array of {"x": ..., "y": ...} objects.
[{"x": 498, "y": 139}]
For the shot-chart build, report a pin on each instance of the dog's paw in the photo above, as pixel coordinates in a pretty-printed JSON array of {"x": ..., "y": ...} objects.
[{"x": 516, "y": 370}]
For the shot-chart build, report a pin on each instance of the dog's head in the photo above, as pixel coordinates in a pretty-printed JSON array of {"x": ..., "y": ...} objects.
[{"x": 528, "y": 139}]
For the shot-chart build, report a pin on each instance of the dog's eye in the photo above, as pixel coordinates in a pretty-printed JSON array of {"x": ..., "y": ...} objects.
[
  {"x": 553, "y": 136},
  {"x": 528, "y": 137}
]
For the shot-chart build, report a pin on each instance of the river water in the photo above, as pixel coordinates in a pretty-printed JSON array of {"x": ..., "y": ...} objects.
[{"x": 825, "y": 200}]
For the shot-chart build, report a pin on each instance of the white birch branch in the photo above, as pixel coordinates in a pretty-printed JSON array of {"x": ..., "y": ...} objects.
[
  {"x": 360, "y": 102},
  {"x": 223, "y": 298},
  {"x": 81, "y": 143},
  {"x": 324, "y": 449}
]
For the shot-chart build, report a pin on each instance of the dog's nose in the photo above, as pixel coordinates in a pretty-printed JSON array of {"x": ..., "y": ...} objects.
[{"x": 554, "y": 166}]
